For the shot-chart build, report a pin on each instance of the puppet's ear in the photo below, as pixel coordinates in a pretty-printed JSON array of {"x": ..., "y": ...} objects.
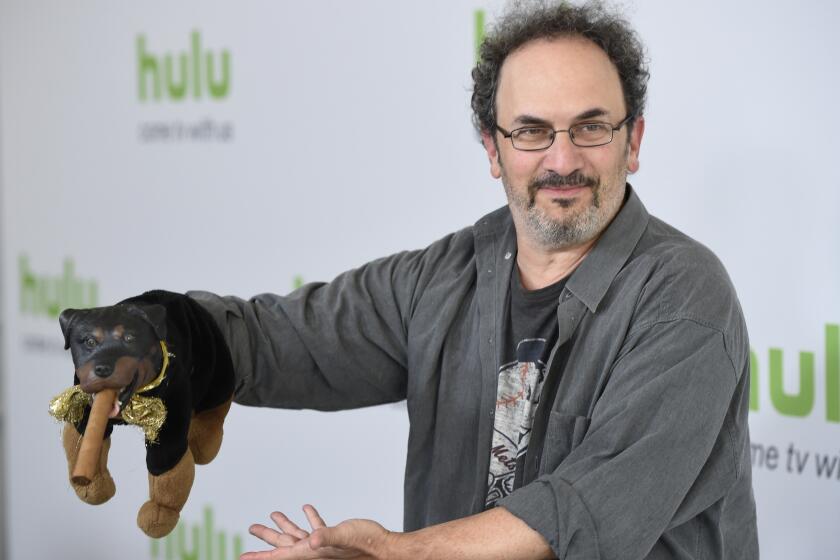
[
  {"x": 154, "y": 314},
  {"x": 66, "y": 319}
]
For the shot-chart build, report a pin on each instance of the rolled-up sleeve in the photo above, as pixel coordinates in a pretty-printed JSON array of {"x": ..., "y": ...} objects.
[{"x": 660, "y": 447}]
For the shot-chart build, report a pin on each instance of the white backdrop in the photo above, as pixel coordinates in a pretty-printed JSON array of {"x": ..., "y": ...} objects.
[{"x": 341, "y": 133}]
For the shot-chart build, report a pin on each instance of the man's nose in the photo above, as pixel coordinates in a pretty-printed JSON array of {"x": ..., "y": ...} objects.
[
  {"x": 563, "y": 157},
  {"x": 102, "y": 370}
]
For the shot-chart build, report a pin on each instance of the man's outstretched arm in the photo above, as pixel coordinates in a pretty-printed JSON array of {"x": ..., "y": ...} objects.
[{"x": 492, "y": 534}]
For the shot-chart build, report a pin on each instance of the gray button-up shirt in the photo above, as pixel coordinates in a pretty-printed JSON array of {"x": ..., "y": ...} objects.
[{"x": 640, "y": 451}]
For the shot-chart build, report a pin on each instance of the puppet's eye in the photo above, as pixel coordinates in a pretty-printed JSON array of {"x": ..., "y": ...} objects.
[
  {"x": 128, "y": 337},
  {"x": 90, "y": 342}
]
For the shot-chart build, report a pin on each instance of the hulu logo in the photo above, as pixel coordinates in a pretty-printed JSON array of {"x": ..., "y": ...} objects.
[
  {"x": 801, "y": 403},
  {"x": 478, "y": 32},
  {"x": 193, "y": 72},
  {"x": 48, "y": 295},
  {"x": 203, "y": 544}
]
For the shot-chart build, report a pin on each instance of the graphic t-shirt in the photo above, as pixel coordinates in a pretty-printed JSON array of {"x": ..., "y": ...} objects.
[{"x": 531, "y": 333}]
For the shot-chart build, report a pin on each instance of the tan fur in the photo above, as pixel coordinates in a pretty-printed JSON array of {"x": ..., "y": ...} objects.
[
  {"x": 168, "y": 492},
  {"x": 124, "y": 369},
  {"x": 85, "y": 371},
  {"x": 167, "y": 495},
  {"x": 205, "y": 437},
  {"x": 101, "y": 487}
]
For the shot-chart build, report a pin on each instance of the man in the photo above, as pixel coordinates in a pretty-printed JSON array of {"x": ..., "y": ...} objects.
[{"x": 576, "y": 370}]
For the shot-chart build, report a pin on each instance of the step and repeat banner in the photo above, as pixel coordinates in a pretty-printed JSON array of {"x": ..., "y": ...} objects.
[{"x": 250, "y": 147}]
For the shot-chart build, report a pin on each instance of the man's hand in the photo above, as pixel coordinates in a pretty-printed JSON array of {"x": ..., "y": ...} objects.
[
  {"x": 495, "y": 533},
  {"x": 356, "y": 538}
]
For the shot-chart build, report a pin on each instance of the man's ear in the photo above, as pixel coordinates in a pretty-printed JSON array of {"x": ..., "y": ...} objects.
[
  {"x": 66, "y": 320},
  {"x": 492, "y": 150},
  {"x": 635, "y": 144},
  {"x": 154, "y": 314}
]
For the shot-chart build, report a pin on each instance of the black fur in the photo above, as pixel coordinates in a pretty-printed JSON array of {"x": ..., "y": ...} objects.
[{"x": 199, "y": 377}]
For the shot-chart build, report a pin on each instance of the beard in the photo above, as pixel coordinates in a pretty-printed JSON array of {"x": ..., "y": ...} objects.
[{"x": 577, "y": 226}]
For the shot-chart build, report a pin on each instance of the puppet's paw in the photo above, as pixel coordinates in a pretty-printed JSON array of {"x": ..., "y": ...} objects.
[
  {"x": 156, "y": 520},
  {"x": 168, "y": 493},
  {"x": 100, "y": 490},
  {"x": 205, "y": 436},
  {"x": 101, "y": 487}
]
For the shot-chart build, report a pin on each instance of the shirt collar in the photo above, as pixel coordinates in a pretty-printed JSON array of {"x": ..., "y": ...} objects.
[{"x": 595, "y": 274}]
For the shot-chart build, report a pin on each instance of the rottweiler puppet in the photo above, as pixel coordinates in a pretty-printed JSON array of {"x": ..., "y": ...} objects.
[{"x": 164, "y": 358}]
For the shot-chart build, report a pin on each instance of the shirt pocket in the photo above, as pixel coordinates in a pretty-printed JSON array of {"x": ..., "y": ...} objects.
[{"x": 563, "y": 434}]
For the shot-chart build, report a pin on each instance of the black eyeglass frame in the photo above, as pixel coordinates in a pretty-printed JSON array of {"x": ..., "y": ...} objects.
[{"x": 568, "y": 131}]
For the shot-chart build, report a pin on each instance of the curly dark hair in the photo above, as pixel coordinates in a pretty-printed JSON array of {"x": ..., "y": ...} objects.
[{"x": 529, "y": 20}]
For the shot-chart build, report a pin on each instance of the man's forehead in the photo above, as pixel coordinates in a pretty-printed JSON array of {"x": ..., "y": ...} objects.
[{"x": 558, "y": 80}]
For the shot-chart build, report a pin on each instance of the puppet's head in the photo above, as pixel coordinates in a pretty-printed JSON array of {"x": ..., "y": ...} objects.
[{"x": 116, "y": 347}]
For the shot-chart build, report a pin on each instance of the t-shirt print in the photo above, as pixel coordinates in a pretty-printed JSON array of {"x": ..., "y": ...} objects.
[{"x": 517, "y": 396}]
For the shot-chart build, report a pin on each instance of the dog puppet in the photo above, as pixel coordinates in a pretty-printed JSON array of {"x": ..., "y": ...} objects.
[{"x": 166, "y": 360}]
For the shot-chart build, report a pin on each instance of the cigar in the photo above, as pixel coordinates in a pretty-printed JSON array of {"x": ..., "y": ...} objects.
[{"x": 87, "y": 461}]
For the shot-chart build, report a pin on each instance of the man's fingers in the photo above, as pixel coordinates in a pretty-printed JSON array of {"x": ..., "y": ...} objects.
[
  {"x": 272, "y": 537},
  {"x": 314, "y": 517},
  {"x": 264, "y": 555},
  {"x": 338, "y": 538},
  {"x": 323, "y": 537},
  {"x": 300, "y": 551},
  {"x": 287, "y": 526}
]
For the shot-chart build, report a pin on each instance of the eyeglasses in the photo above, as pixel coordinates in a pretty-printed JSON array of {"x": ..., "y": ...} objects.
[{"x": 585, "y": 135}]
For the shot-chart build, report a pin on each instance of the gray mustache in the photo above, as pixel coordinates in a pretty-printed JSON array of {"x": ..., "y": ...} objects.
[{"x": 556, "y": 180}]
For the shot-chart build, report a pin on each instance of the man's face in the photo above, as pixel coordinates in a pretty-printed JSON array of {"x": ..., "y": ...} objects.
[{"x": 565, "y": 195}]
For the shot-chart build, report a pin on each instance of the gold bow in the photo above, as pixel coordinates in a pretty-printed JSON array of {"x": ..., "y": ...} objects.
[{"x": 148, "y": 413}]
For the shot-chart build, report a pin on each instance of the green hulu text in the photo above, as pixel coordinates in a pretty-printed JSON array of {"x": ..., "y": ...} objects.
[
  {"x": 47, "y": 295},
  {"x": 478, "y": 33},
  {"x": 801, "y": 403},
  {"x": 193, "y": 72},
  {"x": 203, "y": 543}
]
